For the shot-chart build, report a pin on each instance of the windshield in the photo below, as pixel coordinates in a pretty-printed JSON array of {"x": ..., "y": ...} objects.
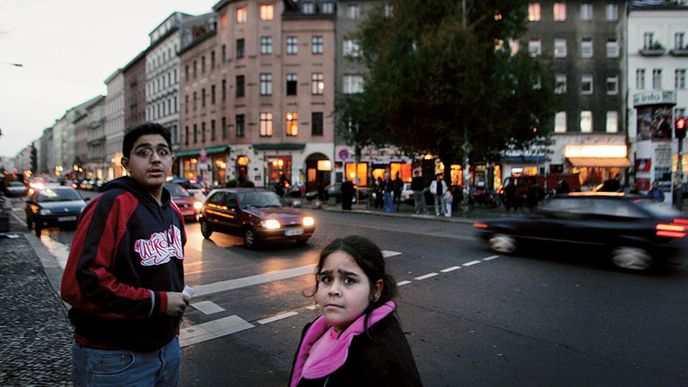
[
  {"x": 259, "y": 199},
  {"x": 58, "y": 195},
  {"x": 176, "y": 190}
]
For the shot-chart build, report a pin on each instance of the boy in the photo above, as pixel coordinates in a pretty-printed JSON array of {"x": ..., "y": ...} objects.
[{"x": 125, "y": 273}]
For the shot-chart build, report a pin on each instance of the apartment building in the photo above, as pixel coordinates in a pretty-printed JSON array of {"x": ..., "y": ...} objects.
[{"x": 114, "y": 124}]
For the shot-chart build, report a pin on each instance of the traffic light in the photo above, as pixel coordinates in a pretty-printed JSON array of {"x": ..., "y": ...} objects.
[{"x": 680, "y": 127}]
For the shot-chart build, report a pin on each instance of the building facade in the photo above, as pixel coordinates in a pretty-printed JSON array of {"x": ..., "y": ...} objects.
[{"x": 114, "y": 124}]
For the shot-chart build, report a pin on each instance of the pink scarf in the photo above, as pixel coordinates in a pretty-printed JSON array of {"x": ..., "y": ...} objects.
[{"x": 329, "y": 358}]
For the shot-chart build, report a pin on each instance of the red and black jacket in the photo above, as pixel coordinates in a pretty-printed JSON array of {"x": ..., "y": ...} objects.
[{"x": 126, "y": 253}]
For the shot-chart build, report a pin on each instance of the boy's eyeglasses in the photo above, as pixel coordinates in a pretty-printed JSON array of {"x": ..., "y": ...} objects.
[{"x": 145, "y": 152}]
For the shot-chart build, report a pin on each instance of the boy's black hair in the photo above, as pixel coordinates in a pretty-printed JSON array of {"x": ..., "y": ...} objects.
[{"x": 142, "y": 130}]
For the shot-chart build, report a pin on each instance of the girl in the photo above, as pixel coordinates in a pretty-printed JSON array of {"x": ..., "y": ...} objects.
[{"x": 357, "y": 341}]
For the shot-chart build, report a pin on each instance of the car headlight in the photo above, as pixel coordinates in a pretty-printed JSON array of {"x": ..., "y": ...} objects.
[
  {"x": 198, "y": 205},
  {"x": 308, "y": 221},
  {"x": 44, "y": 211},
  {"x": 270, "y": 224}
]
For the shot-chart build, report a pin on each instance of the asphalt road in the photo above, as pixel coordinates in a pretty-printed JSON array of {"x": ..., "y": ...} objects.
[{"x": 473, "y": 318}]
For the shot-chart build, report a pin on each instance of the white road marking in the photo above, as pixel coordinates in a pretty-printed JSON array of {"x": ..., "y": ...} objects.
[
  {"x": 207, "y": 307},
  {"x": 216, "y": 287},
  {"x": 491, "y": 258},
  {"x": 277, "y": 317},
  {"x": 447, "y": 270},
  {"x": 312, "y": 307},
  {"x": 425, "y": 276},
  {"x": 402, "y": 283},
  {"x": 389, "y": 253},
  {"x": 471, "y": 263},
  {"x": 212, "y": 329},
  {"x": 57, "y": 249}
]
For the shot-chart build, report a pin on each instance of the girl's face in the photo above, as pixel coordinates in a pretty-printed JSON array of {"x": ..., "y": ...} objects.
[{"x": 344, "y": 290}]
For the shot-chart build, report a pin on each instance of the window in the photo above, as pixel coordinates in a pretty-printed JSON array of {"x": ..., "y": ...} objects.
[
  {"x": 680, "y": 79},
  {"x": 266, "y": 12},
  {"x": 388, "y": 10},
  {"x": 195, "y": 97},
  {"x": 352, "y": 11},
  {"x": 657, "y": 79},
  {"x": 240, "y": 85},
  {"x": 186, "y": 72},
  {"x": 678, "y": 40},
  {"x": 240, "y": 125},
  {"x": 265, "y": 124},
  {"x": 351, "y": 48},
  {"x": 560, "y": 122},
  {"x": 327, "y": 7},
  {"x": 292, "y": 45},
  {"x": 317, "y": 124},
  {"x": 224, "y": 21},
  {"x": 613, "y": 85},
  {"x": 612, "y": 122},
  {"x": 203, "y": 132},
  {"x": 203, "y": 97},
  {"x": 648, "y": 38},
  {"x": 534, "y": 12},
  {"x": 559, "y": 48},
  {"x": 317, "y": 44},
  {"x": 612, "y": 12},
  {"x": 265, "y": 84},
  {"x": 640, "y": 79},
  {"x": 241, "y": 15},
  {"x": 586, "y": 121},
  {"x": 195, "y": 69},
  {"x": 292, "y": 124},
  {"x": 586, "y": 48},
  {"x": 353, "y": 84},
  {"x": 213, "y": 135},
  {"x": 292, "y": 83},
  {"x": 612, "y": 48},
  {"x": 224, "y": 90},
  {"x": 212, "y": 60},
  {"x": 586, "y": 84},
  {"x": 317, "y": 83},
  {"x": 586, "y": 12},
  {"x": 186, "y": 104},
  {"x": 534, "y": 47},
  {"x": 266, "y": 45},
  {"x": 560, "y": 83},
  {"x": 559, "y": 12},
  {"x": 308, "y": 8},
  {"x": 195, "y": 134},
  {"x": 239, "y": 48},
  {"x": 224, "y": 53},
  {"x": 186, "y": 135},
  {"x": 224, "y": 127},
  {"x": 212, "y": 94}
]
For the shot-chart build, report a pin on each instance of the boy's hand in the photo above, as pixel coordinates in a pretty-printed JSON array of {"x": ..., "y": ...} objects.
[{"x": 176, "y": 304}]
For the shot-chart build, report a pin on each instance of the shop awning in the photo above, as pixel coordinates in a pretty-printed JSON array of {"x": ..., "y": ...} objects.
[
  {"x": 196, "y": 152},
  {"x": 599, "y": 162},
  {"x": 279, "y": 146},
  {"x": 523, "y": 159}
]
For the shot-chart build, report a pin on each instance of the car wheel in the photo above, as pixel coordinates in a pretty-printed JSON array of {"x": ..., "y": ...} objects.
[
  {"x": 503, "y": 243},
  {"x": 631, "y": 258},
  {"x": 206, "y": 230},
  {"x": 250, "y": 238}
]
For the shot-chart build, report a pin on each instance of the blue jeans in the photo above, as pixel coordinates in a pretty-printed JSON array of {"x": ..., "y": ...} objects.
[{"x": 97, "y": 367}]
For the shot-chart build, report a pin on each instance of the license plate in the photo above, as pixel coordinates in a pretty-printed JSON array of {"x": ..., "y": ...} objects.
[
  {"x": 293, "y": 231},
  {"x": 66, "y": 218}
]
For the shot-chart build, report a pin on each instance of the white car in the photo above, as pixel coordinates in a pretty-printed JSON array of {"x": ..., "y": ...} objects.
[{"x": 407, "y": 194}]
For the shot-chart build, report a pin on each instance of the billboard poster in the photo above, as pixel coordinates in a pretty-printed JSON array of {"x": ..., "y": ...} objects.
[{"x": 654, "y": 122}]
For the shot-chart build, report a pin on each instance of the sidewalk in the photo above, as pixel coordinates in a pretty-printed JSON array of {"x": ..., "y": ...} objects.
[{"x": 35, "y": 333}]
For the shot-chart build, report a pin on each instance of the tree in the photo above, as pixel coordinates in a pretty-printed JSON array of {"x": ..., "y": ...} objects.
[
  {"x": 33, "y": 159},
  {"x": 430, "y": 81}
]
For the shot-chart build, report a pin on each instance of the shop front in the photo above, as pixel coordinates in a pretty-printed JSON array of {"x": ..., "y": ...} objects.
[
  {"x": 208, "y": 166},
  {"x": 595, "y": 163}
]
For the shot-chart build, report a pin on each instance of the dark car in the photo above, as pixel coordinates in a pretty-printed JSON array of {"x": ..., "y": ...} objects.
[
  {"x": 53, "y": 206},
  {"x": 187, "y": 203},
  {"x": 258, "y": 215},
  {"x": 15, "y": 188},
  {"x": 632, "y": 230}
]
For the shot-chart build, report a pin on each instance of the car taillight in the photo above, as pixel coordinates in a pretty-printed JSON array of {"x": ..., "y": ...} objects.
[
  {"x": 479, "y": 225},
  {"x": 672, "y": 230},
  {"x": 681, "y": 221}
]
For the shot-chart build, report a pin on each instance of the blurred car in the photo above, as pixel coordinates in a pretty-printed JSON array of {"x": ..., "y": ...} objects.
[
  {"x": 634, "y": 231},
  {"x": 407, "y": 194},
  {"x": 53, "y": 206},
  {"x": 15, "y": 188},
  {"x": 258, "y": 215},
  {"x": 187, "y": 203}
]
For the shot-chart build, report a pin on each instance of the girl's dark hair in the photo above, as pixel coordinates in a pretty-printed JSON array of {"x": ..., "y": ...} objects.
[
  {"x": 369, "y": 258},
  {"x": 146, "y": 128}
]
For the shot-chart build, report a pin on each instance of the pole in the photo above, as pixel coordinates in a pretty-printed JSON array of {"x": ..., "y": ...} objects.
[
  {"x": 679, "y": 172},
  {"x": 466, "y": 146}
]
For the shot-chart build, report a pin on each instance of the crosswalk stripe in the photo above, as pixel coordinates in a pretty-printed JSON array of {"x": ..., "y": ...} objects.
[
  {"x": 276, "y": 317},
  {"x": 212, "y": 329}
]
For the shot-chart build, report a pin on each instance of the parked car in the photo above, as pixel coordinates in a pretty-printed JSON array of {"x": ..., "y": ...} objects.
[
  {"x": 632, "y": 230},
  {"x": 258, "y": 215},
  {"x": 15, "y": 188},
  {"x": 187, "y": 203},
  {"x": 53, "y": 206}
]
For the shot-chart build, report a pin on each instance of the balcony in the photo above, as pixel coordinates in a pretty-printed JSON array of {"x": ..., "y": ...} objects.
[
  {"x": 679, "y": 51},
  {"x": 654, "y": 49}
]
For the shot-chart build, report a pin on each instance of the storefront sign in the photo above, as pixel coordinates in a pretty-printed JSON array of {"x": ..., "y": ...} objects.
[
  {"x": 596, "y": 150},
  {"x": 343, "y": 154},
  {"x": 654, "y": 98}
]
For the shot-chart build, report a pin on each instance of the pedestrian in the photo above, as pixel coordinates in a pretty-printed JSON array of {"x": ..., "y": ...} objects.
[
  {"x": 612, "y": 185},
  {"x": 124, "y": 276},
  {"x": 348, "y": 192},
  {"x": 562, "y": 187},
  {"x": 357, "y": 340},
  {"x": 388, "y": 192},
  {"x": 510, "y": 195},
  {"x": 656, "y": 193},
  {"x": 418, "y": 186},
  {"x": 533, "y": 194},
  {"x": 438, "y": 187},
  {"x": 379, "y": 192},
  {"x": 397, "y": 186},
  {"x": 448, "y": 201}
]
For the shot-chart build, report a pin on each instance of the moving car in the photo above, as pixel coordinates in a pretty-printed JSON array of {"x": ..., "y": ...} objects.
[
  {"x": 258, "y": 215},
  {"x": 15, "y": 188},
  {"x": 53, "y": 206},
  {"x": 187, "y": 203},
  {"x": 632, "y": 230}
]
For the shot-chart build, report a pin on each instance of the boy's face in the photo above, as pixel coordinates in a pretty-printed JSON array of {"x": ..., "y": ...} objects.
[{"x": 150, "y": 161}]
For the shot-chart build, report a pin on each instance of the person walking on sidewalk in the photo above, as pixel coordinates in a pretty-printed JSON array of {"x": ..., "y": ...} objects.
[
  {"x": 397, "y": 186},
  {"x": 418, "y": 186},
  {"x": 438, "y": 187},
  {"x": 348, "y": 192},
  {"x": 124, "y": 275}
]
